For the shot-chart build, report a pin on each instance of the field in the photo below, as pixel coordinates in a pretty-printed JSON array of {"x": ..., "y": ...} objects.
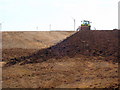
[{"x": 84, "y": 59}]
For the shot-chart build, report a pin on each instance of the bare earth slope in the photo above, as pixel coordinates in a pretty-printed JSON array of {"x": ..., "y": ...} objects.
[
  {"x": 90, "y": 43},
  {"x": 33, "y": 40},
  {"x": 24, "y": 43}
]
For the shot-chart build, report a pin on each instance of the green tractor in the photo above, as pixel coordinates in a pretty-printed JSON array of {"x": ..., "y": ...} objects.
[{"x": 85, "y": 25}]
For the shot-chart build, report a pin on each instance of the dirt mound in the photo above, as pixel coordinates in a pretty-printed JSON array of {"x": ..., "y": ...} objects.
[
  {"x": 8, "y": 54},
  {"x": 91, "y": 43}
]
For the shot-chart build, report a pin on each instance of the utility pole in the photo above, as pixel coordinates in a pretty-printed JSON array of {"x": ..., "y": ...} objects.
[
  {"x": 74, "y": 23},
  {"x": 50, "y": 27},
  {"x": 0, "y": 26},
  {"x": 37, "y": 28}
]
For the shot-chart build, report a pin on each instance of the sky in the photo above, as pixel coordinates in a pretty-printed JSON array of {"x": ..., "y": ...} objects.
[{"x": 39, "y": 15}]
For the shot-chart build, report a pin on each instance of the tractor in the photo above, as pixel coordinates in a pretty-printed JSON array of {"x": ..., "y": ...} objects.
[{"x": 84, "y": 26}]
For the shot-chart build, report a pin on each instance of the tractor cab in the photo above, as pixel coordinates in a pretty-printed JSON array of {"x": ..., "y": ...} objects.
[{"x": 85, "y": 23}]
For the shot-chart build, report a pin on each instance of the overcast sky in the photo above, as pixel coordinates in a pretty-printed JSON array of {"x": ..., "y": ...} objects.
[{"x": 29, "y": 14}]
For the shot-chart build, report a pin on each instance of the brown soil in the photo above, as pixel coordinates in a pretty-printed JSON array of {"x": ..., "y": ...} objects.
[
  {"x": 11, "y": 53},
  {"x": 33, "y": 40},
  {"x": 77, "y": 72},
  {"x": 83, "y": 60},
  {"x": 89, "y": 43}
]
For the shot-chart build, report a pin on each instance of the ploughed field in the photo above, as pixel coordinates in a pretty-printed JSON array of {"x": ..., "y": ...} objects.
[
  {"x": 32, "y": 39},
  {"x": 17, "y": 44},
  {"x": 85, "y": 59}
]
